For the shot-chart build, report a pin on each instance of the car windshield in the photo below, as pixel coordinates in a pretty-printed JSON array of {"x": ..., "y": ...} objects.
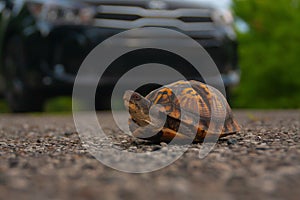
[{"x": 213, "y": 3}]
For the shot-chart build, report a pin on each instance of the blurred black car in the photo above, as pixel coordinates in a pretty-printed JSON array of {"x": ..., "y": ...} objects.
[{"x": 43, "y": 42}]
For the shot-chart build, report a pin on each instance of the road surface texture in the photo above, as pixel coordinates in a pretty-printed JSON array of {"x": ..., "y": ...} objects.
[{"x": 42, "y": 157}]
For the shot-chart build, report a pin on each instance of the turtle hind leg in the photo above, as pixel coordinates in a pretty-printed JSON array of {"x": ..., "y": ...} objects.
[{"x": 149, "y": 132}]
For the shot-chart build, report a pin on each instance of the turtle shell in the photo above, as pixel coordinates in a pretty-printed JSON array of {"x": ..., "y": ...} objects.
[{"x": 200, "y": 107}]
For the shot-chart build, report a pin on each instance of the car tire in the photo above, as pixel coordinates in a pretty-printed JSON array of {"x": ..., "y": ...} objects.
[
  {"x": 228, "y": 91},
  {"x": 19, "y": 96},
  {"x": 103, "y": 101}
]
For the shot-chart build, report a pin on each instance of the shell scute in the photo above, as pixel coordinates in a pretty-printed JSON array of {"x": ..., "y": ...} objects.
[{"x": 195, "y": 98}]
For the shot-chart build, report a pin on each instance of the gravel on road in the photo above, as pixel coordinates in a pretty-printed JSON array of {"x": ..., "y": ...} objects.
[{"x": 42, "y": 157}]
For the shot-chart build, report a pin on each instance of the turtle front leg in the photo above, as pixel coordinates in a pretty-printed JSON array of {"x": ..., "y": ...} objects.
[
  {"x": 149, "y": 132},
  {"x": 159, "y": 134}
]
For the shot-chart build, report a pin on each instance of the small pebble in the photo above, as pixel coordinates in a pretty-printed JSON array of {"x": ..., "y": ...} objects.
[
  {"x": 13, "y": 162},
  {"x": 132, "y": 149},
  {"x": 164, "y": 149},
  {"x": 232, "y": 141},
  {"x": 156, "y": 148},
  {"x": 163, "y": 144},
  {"x": 68, "y": 133}
]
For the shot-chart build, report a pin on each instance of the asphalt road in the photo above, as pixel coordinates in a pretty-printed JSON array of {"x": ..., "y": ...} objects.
[{"x": 42, "y": 157}]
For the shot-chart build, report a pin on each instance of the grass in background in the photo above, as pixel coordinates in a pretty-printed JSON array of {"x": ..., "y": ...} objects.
[
  {"x": 3, "y": 107},
  {"x": 60, "y": 104},
  {"x": 56, "y": 105}
]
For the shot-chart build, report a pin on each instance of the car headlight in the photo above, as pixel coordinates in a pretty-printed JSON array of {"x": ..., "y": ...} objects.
[
  {"x": 62, "y": 14},
  {"x": 223, "y": 16}
]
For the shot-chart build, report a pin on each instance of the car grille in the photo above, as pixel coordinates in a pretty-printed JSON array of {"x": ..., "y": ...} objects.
[
  {"x": 195, "y": 19},
  {"x": 117, "y": 16},
  {"x": 128, "y": 17}
]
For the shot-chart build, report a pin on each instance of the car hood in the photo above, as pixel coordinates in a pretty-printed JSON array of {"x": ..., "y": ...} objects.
[{"x": 164, "y": 4}]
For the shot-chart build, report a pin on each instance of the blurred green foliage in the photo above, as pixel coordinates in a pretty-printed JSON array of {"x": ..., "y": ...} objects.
[
  {"x": 3, "y": 107},
  {"x": 60, "y": 104},
  {"x": 55, "y": 105},
  {"x": 269, "y": 54}
]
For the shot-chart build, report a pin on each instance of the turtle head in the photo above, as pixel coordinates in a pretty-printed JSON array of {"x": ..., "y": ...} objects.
[{"x": 138, "y": 107}]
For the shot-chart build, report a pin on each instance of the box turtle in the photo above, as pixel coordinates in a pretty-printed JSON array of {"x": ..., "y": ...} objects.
[{"x": 189, "y": 110}]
